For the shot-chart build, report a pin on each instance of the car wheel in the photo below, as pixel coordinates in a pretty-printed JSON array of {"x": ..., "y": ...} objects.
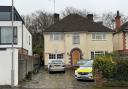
[
  {"x": 49, "y": 72},
  {"x": 78, "y": 79},
  {"x": 64, "y": 71}
]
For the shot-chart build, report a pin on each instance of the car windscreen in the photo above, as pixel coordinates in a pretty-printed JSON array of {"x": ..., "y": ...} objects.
[
  {"x": 87, "y": 64},
  {"x": 56, "y": 62}
]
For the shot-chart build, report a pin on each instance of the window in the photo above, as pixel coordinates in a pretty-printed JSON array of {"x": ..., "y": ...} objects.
[
  {"x": 97, "y": 53},
  {"x": 98, "y": 36},
  {"x": 5, "y": 16},
  {"x": 59, "y": 56},
  {"x": 7, "y": 35},
  {"x": 76, "y": 38},
  {"x": 52, "y": 56},
  {"x": 29, "y": 40},
  {"x": 55, "y": 56},
  {"x": 56, "y": 36}
]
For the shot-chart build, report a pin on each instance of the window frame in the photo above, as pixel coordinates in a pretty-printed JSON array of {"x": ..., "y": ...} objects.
[
  {"x": 56, "y": 56},
  {"x": 97, "y": 53},
  {"x": 98, "y": 36},
  {"x": 57, "y": 36},
  {"x": 15, "y": 35},
  {"x": 76, "y": 38}
]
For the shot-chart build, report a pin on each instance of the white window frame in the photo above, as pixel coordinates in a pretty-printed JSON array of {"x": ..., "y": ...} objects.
[
  {"x": 56, "y": 36},
  {"x": 99, "y": 36},
  {"x": 56, "y": 56},
  {"x": 97, "y": 53},
  {"x": 76, "y": 38}
]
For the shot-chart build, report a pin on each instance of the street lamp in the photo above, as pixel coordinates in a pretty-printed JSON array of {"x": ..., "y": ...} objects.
[{"x": 12, "y": 67}]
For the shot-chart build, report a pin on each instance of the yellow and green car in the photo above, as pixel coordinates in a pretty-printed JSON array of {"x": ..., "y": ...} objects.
[{"x": 84, "y": 72}]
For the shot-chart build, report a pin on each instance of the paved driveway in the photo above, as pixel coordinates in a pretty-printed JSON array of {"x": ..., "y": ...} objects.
[{"x": 66, "y": 80}]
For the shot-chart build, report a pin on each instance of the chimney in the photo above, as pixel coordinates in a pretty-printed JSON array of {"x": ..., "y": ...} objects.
[
  {"x": 90, "y": 17},
  {"x": 118, "y": 21},
  {"x": 56, "y": 17}
]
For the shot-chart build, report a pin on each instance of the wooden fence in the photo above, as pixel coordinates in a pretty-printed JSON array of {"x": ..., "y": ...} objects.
[{"x": 27, "y": 64}]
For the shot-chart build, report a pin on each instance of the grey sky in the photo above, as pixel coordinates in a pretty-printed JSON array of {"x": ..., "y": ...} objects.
[{"x": 97, "y": 6}]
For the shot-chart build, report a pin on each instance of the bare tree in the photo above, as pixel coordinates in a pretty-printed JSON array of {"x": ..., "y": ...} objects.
[
  {"x": 36, "y": 23},
  {"x": 109, "y": 19},
  {"x": 72, "y": 10}
]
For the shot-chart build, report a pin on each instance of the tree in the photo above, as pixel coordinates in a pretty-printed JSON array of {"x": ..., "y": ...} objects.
[
  {"x": 72, "y": 10},
  {"x": 109, "y": 19},
  {"x": 36, "y": 23}
]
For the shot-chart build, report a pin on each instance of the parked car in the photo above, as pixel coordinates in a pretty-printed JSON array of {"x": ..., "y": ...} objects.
[
  {"x": 84, "y": 72},
  {"x": 80, "y": 63},
  {"x": 56, "y": 65}
]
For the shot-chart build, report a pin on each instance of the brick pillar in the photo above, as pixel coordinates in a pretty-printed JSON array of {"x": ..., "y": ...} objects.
[{"x": 98, "y": 77}]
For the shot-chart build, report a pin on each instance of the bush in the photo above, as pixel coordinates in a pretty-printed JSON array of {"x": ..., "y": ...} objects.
[
  {"x": 113, "y": 66},
  {"x": 106, "y": 65},
  {"x": 121, "y": 70}
]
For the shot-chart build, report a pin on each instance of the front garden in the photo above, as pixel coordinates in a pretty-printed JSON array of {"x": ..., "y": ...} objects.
[{"x": 111, "y": 70}]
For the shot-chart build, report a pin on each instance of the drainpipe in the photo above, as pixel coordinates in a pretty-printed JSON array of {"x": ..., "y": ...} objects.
[{"x": 22, "y": 38}]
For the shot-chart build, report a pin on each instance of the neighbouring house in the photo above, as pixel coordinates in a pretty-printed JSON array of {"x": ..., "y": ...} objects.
[
  {"x": 75, "y": 37},
  {"x": 22, "y": 43},
  {"x": 121, "y": 35}
]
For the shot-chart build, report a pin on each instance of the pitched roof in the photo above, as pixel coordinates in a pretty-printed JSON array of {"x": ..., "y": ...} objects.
[
  {"x": 123, "y": 28},
  {"x": 77, "y": 23}
]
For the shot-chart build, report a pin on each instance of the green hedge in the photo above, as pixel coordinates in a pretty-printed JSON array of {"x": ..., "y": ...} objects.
[
  {"x": 105, "y": 64},
  {"x": 113, "y": 66}
]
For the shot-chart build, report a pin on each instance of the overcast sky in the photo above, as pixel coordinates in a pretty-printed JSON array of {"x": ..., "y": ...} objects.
[{"x": 98, "y": 6}]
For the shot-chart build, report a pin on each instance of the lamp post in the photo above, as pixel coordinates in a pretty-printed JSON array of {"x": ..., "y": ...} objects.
[{"x": 12, "y": 67}]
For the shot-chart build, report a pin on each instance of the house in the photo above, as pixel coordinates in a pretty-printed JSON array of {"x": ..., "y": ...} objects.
[
  {"x": 120, "y": 36},
  {"x": 75, "y": 37},
  {"x": 22, "y": 43}
]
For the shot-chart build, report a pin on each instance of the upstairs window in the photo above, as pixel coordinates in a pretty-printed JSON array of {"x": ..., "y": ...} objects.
[
  {"x": 76, "y": 38},
  {"x": 56, "y": 36},
  {"x": 98, "y": 36},
  {"x": 7, "y": 35},
  {"x": 5, "y": 16}
]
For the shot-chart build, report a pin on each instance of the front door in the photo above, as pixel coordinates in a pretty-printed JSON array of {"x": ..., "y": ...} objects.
[{"x": 75, "y": 57}]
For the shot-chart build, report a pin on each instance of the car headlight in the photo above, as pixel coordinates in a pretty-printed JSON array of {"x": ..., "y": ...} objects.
[{"x": 76, "y": 71}]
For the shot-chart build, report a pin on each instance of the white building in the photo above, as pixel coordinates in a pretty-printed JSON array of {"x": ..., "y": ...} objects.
[{"x": 22, "y": 44}]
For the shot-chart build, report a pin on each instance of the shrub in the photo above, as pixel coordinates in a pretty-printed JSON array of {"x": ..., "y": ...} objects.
[
  {"x": 121, "y": 70},
  {"x": 106, "y": 65}
]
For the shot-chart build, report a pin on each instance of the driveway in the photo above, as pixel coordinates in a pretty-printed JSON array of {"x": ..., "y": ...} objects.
[{"x": 66, "y": 80}]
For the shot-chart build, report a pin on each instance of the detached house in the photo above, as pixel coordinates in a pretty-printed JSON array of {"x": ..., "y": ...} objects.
[
  {"x": 121, "y": 35},
  {"x": 75, "y": 37},
  {"x": 22, "y": 43}
]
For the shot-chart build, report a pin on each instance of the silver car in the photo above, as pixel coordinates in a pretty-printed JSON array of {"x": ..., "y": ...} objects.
[{"x": 56, "y": 65}]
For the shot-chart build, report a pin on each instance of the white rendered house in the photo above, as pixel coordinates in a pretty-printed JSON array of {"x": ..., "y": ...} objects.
[{"x": 22, "y": 43}]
